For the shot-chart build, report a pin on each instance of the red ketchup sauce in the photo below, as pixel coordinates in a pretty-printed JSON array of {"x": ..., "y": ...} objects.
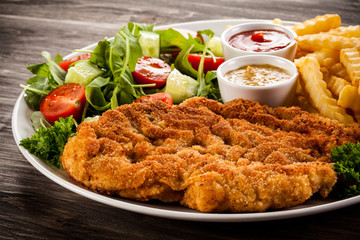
[{"x": 260, "y": 40}]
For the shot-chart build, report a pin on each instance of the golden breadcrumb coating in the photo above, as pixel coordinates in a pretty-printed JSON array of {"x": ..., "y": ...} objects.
[{"x": 213, "y": 157}]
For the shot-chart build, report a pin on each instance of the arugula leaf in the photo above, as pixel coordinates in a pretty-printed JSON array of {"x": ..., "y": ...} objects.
[
  {"x": 135, "y": 28},
  {"x": 203, "y": 89},
  {"x": 126, "y": 45},
  {"x": 172, "y": 41},
  {"x": 36, "y": 91},
  {"x": 119, "y": 57},
  {"x": 209, "y": 33},
  {"x": 346, "y": 160},
  {"x": 48, "y": 143},
  {"x": 41, "y": 70},
  {"x": 182, "y": 63},
  {"x": 48, "y": 76},
  {"x": 57, "y": 59},
  {"x": 95, "y": 96},
  {"x": 208, "y": 85},
  {"x": 55, "y": 70},
  {"x": 211, "y": 89},
  {"x": 99, "y": 54}
]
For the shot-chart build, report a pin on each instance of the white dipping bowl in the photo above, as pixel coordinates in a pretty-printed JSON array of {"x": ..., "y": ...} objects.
[
  {"x": 280, "y": 94},
  {"x": 230, "y": 52}
]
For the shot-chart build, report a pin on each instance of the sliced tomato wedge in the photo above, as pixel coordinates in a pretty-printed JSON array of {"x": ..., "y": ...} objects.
[
  {"x": 209, "y": 64},
  {"x": 149, "y": 70},
  {"x": 64, "y": 101},
  {"x": 65, "y": 64},
  {"x": 165, "y": 97}
]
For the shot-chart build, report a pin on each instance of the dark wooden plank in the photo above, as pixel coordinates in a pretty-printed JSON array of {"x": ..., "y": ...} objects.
[{"x": 34, "y": 207}]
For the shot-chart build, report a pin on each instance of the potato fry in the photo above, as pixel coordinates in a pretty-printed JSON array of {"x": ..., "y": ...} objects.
[
  {"x": 277, "y": 21},
  {"x": 349, "y": 98},
  {"x": 336, "y": 69},
  {"x": 350, "y": 57},
  {"x": 325, "y": 53},
  {"x": 328, "y": 59},
  {"x": 350, "y": 31},
  {"x": 301, "y": 53},
  {"x": 315, "y": 42},
  {"x": 320, "y": 97},
  {"x": 318, "y": 24},
  {"x": 336, "y": 85}
]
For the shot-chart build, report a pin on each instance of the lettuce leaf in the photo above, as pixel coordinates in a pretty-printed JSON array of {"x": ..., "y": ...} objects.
[{"x": 48, "y": 76}]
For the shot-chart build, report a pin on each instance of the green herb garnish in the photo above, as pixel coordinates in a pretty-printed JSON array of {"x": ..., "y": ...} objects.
[
  {"x": 347, "y": 166},
  {"x": 48, "y": 143}
]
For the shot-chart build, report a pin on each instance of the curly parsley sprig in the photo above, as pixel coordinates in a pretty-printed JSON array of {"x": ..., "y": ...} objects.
[
  {"x": 346, "y": 160},
  {"x": 48, "y": 143}
]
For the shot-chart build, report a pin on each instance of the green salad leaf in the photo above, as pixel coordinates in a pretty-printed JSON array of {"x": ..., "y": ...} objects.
[
  {"x": 182, "y": 63},
  {"x": 207, "y": 84},
  {"x": 48, "y": 76},
  {"x": 136, "y": 28},
  {"x": 346, "y": 160},
  {"x": 119, "y": 58},
  {"x": 48, "y": 143},
  {"x": 56, "y": 72},
  {"x": 99, "y": 55},
  {"x": 95, "y": 95},
  {"x": 173, "y": 41},
  {"x": 211, "y": 89}
]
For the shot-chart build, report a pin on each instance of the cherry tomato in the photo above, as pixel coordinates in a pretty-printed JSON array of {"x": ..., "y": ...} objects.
[
  {"x": 209, "y": 64},
  {"x": 150, "y": 70},
  {"x": 165, "y": 97},
  {"x": 64, "y": 101},
  {"x": 65, "y": 64}
]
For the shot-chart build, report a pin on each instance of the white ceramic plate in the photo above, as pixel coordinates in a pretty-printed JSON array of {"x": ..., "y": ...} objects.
[{"x": 22, "y": 128}]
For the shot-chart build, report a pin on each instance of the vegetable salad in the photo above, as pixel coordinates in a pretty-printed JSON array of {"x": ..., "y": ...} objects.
[{"x": 138, "y": 64}]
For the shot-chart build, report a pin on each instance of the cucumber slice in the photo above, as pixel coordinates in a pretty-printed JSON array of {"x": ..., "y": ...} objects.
[
  {"x": 150, "y": 43},
  {"x": 180, "y": 86},
  {"x": 83, "y": 73},
  {"x": 215, "y": 46}
]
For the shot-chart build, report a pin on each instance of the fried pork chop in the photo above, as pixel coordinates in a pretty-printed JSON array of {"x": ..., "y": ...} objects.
[{"x": 213, "y": 157}]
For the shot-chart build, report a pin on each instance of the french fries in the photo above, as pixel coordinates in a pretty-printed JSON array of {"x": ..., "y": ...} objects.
[
  {"x": 336, "y": 84},
  {"x": 336, "y": 69},
  {"x": 319, "y": 24},
  {"x": 315, "y": 42},
  {"x": 350, "y": 58},
  {"x": 328, "y": 60},
  {"x": 320, "y": 96},
  {"x": 350, "y": 31},
  {"x": 349, "y": 98}
]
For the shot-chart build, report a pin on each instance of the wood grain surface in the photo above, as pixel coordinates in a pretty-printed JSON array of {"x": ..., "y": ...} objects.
[{"x": 34, "y": 207}]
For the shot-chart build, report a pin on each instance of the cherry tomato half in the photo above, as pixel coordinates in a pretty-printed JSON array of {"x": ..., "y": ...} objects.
[
  {"x": 209, "y": 64},
  {"x": 65, "y": 64},
  {"x": 165, "y": 97},
  {"x": 64, "y": 101},
  {"x": 150, "y": 70}
]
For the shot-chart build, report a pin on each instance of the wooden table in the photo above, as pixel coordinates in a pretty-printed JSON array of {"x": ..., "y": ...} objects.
[{"x": 34, "y": 207}]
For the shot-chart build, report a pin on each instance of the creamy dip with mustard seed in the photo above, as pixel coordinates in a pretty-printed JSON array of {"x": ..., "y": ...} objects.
[{"x": 257, "y": 75}]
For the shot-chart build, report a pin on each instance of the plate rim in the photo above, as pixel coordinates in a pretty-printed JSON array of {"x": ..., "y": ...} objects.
[{"x": 140, "y": 207}]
